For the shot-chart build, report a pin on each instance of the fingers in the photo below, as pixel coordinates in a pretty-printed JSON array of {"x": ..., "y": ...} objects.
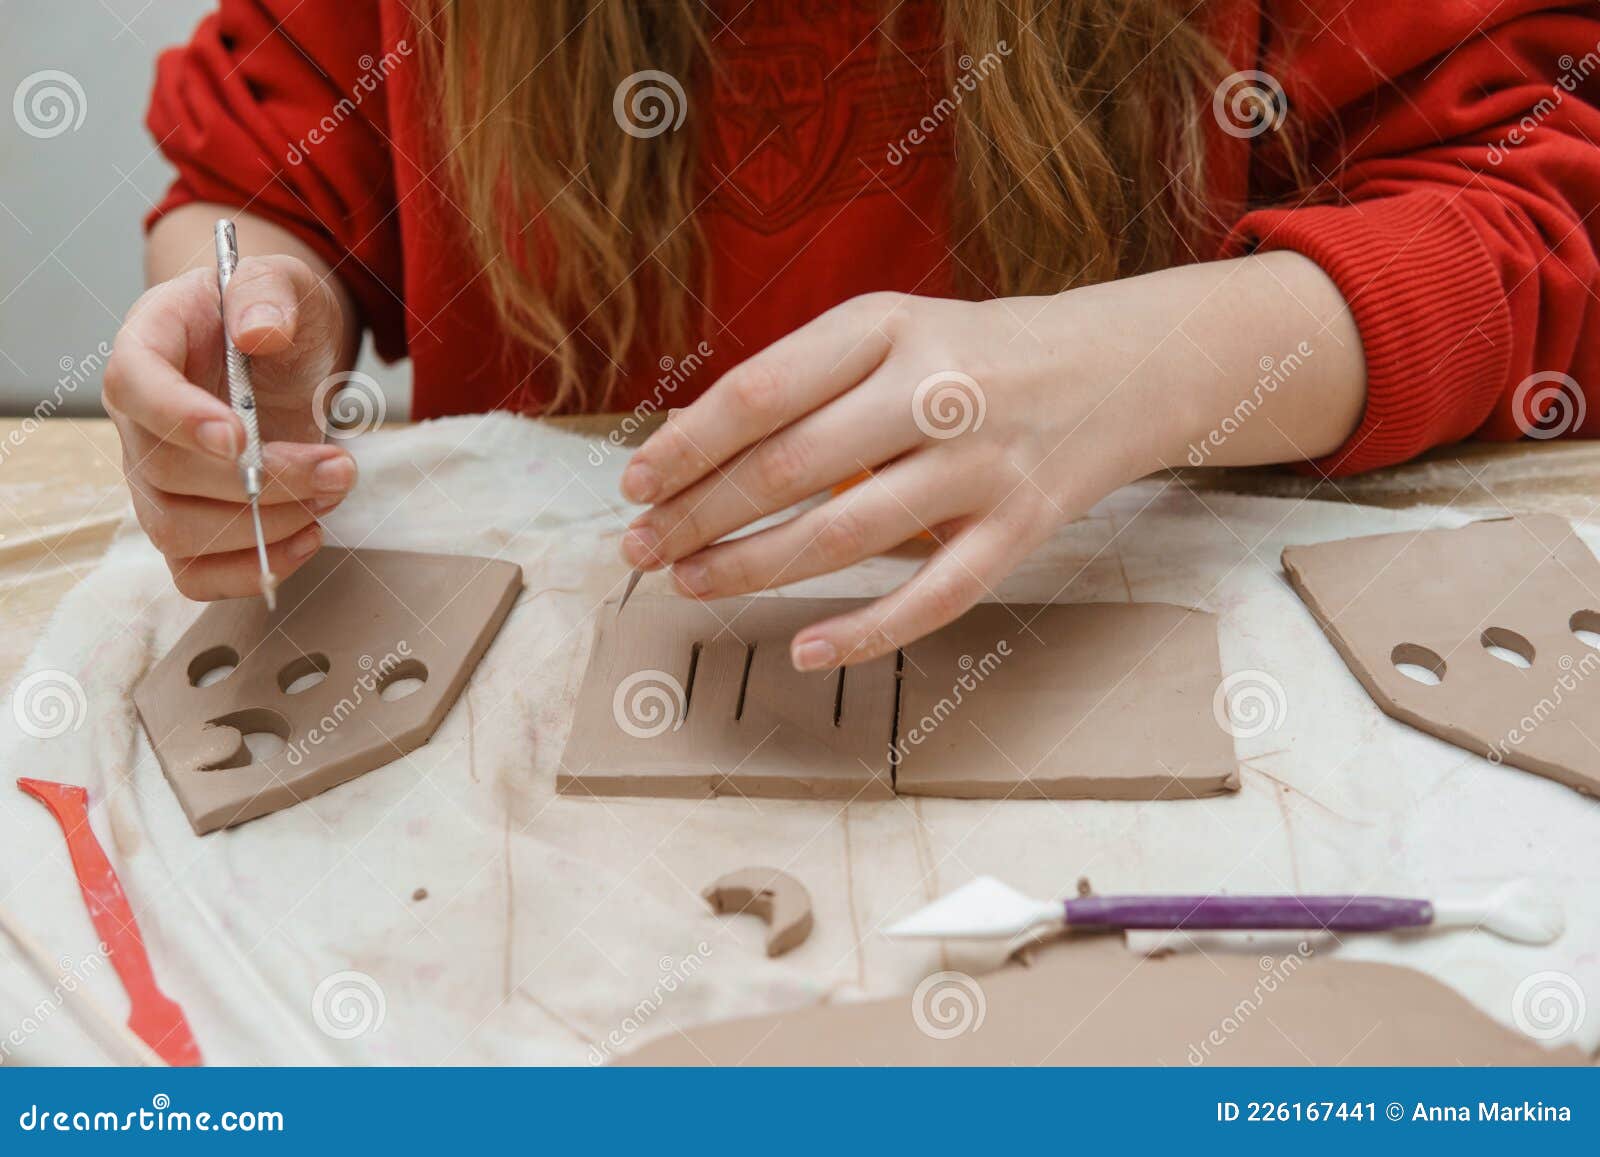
[
  {"x": 185, "y": 528},
  {"x": 958, "y": 575},
  {"x": 788, "y": 379},
  {"x": 865, "y": 521},
  {"x": 863, "y": 429},
  {"x": 292, "y": 472},
  {"x": 263, "y": 302},
  {"x": 147, "y": 390},
  {"x": 237, "y": 574}
]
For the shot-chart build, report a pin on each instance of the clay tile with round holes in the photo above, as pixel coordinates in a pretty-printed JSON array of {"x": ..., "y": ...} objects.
[
  {"x": 359, "y": 664},
  {"x": 1472, "y": 635}
]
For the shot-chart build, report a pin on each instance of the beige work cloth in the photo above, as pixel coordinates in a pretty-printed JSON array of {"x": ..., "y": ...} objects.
[{"x": 566, "y": 930}]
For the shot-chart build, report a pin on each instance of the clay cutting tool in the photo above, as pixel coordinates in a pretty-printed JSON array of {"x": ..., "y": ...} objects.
[
  {"x": 986, "y": 909},
  {"x": 242, "y": 397},
  {"x": 154, "y": 1017},
  {"x": 633, "y": 581}
]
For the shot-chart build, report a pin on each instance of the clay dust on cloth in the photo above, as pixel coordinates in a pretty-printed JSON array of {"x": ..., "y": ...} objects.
[{"x": 450, "y": 908}]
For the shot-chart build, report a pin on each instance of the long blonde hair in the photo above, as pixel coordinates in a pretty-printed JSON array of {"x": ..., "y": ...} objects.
[{"x": 1079, "y": 160}]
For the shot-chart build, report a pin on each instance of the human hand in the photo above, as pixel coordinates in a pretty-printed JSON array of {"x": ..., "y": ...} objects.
[
  {"x": 165, "y": 386},
  {"x": 988, "y": 424},
  {"x": 984, "y": 423}
]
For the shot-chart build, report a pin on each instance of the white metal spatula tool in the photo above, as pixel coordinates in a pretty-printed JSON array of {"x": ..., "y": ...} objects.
[{"x": 986, "y": 909}]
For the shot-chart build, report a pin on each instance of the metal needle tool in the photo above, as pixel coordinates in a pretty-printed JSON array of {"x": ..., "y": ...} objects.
[
  {"x": 241, "y": 396},
  {"x": 633, "y": 581}
]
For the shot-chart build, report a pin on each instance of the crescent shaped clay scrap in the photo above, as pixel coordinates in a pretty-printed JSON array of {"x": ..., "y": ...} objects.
[{"x": 776, "y": 897}]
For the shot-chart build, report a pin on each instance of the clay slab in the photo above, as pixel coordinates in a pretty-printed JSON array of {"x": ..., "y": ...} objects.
[
  {"x": 692, "y": 699},
  {"x": 1068, "y": 701},
  {"x": 1087, "y": 1000},
  {"x": 364, "y": 621},
  {"x": 1438, "y": 600},
  {"x": 1110, "y": 701}
]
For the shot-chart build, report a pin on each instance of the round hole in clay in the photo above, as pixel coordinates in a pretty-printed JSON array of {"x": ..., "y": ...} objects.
[
  {"x": 264, "y": 732},
  {"x": 212, "y": 665},
  {"x": 403, "y": 679},
  {"x": 303, "y": 673},
  {"x": 1417, "y": 662},
  {"x": 1508, "y": 646},
  {"x": 1586, "y": 625}
]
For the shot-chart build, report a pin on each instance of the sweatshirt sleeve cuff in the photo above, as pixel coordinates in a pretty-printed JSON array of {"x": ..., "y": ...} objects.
[{"x": 1430, "y": 307}]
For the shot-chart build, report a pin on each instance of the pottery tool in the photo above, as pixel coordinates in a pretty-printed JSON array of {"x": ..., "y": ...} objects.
[
  {"x": 986, "y": 909},
  {"x": 154, "y": 1017},
  {"x": 633, "y": 581},
  {"x": 242, "y": 397},
  {"x": 120, "y": 1044}
]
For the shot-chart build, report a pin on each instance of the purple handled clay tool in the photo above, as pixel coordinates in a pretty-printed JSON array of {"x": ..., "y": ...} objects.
[{"x": 986, "y": 909}]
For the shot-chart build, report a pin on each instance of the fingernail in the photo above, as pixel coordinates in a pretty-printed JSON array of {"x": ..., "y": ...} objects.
[
  {"x": 303, "y": 545},
  {"x": 261, "y": 316},
  {"x": 639, "y": 546},
  {"x": 335, "y": 476},
  {"x": 217, "y": 437},
  {"x": 639, "y": 483},
  {"x": 692, "y": 577},
  {"x": 813, "y": 655}
]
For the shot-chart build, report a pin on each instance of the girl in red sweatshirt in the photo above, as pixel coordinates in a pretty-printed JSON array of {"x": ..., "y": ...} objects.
[{"x": 1001, "y": 258}]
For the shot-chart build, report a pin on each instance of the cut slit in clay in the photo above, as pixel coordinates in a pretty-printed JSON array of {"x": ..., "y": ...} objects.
[
  {"x": 1106, "y": 701},
  {"x": 776, "y": 897},
  {"x": 253, "y": 710},
  {"x": 1473, "y": 635}
]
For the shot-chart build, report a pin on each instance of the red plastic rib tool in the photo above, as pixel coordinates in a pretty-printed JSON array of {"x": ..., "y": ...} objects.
[{"x": 154, "y": 1017}]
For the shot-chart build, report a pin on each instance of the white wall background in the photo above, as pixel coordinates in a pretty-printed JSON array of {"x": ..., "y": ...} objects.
[{"x": 71, "y": 203}]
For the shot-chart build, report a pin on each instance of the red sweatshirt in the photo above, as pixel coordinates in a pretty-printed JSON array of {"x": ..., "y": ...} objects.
[{"x": 1454, "y": 143}]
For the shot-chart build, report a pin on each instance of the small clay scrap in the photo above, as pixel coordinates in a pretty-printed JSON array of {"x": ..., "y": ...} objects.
[
  {"x": 1484, "y": 636},
  {"x": 255, "y": 710},
  {"x": 776, "y": 897},
  {"x": 1087, "y": 1000},
  {"x": 1096, "y": 701}
]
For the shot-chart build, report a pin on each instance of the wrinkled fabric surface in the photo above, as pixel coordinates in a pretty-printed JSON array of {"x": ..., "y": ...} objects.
[{"x": 566, "y": 930}]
